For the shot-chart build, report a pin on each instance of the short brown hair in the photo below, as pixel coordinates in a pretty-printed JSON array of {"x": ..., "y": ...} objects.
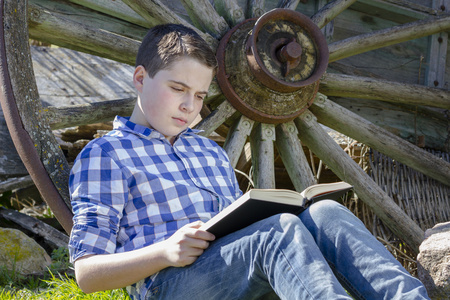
[{"x": 166, "y": 43}]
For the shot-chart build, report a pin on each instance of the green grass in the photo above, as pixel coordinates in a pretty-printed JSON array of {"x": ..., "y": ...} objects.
[
  {"x": 55, "y": 284},
  {"x": 58, "y": 288}
]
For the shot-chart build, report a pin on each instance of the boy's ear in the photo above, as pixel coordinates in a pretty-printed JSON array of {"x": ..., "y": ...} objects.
[{"x": 138, "y": 77}]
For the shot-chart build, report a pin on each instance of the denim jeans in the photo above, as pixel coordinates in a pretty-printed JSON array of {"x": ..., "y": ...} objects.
[{"x": 311, "y": 256}]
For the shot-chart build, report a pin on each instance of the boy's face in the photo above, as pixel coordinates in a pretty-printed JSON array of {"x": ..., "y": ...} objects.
[{"x": 171, "y": 100}]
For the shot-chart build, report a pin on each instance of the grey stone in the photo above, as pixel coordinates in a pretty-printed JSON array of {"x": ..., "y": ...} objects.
[
  {"x": 20, "y": 253},
  {"x": 433, "y": 261}
]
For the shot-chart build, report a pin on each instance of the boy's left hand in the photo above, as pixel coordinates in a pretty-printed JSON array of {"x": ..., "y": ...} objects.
[{"x": 187, "y": 244}]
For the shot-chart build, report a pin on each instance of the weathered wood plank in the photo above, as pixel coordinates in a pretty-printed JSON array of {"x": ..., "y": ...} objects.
[
  {"x": 261, "y": 140},
  {"x": 384, "y": 90},
  {"x": 237, "y": 137},
  {"x": 330, "y": 11},
  {"x": 293, "y": 156},
  {"x": 315, "y": 138},
  {"x": 437, "y": 52},
  {"x": 389, "y": 36},
  {"x": 348, "y": 123}
]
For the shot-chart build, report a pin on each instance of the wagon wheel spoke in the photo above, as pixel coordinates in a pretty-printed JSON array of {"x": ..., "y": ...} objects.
[
  {"x": 237, "y": 137},
  {"x": 230, "y": 11},
  {"x": 222, "y": 113},
  {"x": 261, "y": 141},
  {"x": 289, "y": 4},
  {"x": 350, "y": 124},
  {"x": 316, "y": 139},
  {"x": 330, "y": 11},
  {"x": 382, "y": 38},
  {"x": 383, "y": 90},
  {"x": 293, "y": 156}
]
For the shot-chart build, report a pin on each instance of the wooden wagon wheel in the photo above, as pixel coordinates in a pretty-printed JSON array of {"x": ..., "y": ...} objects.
[{"x": 266, "y": 66}]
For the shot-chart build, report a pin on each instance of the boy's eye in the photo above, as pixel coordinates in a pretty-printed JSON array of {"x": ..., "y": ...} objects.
[
  {"x": 177, "y": 89},
  {"x": 201, "y": 97}
]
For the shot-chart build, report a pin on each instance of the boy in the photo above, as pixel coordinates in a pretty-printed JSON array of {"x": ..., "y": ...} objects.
[{"x": 140, "y": 194}]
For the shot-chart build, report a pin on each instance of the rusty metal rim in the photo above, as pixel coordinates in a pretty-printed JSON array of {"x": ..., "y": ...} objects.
[
  {"x": 257, "y": 65},
  {"x": 233, "y": 97},
  {"x": 23, "y": 142}
]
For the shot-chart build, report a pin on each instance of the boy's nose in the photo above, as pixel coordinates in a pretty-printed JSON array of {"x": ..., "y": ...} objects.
[{"x": 188, "y": 103}]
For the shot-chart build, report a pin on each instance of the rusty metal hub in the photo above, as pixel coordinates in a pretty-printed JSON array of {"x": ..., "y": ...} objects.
[{"x": 269, "y": 68}]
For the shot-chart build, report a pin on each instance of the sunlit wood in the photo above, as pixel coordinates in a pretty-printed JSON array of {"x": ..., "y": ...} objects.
[
  {"x": 216, "y": 118},
  {"x": 237, "y": 137},
  {"x": 261, "y": 141},
  {"x": 293, "y": 156},
  {"x": 351, "y": 124},
  {"x": 316, "y": 139}
]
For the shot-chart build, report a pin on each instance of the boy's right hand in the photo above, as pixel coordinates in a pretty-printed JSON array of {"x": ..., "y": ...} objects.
[{"x": 187, "y": 244}]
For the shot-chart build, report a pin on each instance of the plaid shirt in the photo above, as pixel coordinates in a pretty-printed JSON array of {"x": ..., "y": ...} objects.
[{"x": 132, "y": 188}]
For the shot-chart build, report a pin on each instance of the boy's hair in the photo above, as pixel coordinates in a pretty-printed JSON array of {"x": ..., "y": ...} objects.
[{"x": 167, "y": 43}]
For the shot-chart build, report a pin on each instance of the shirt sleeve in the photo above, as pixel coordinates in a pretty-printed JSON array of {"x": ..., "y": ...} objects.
[{"x": 99, "y": 191}]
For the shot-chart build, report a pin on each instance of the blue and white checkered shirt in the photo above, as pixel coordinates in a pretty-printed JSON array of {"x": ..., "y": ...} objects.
[{"x": 132, "y": 188}]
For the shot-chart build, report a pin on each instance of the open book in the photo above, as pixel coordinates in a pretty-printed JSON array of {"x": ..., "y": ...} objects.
[{"x": 258, "y": 204}]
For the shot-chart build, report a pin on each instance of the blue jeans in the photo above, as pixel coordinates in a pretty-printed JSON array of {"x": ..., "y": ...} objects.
[{"x": 311, "y": 256}]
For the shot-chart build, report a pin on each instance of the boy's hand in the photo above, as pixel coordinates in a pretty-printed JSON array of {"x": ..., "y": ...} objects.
[{"x": 187, "y": 244}]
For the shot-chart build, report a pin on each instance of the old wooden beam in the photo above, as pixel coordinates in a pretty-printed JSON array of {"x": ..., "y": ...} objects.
[
  {"x": 385, "y": 37},
  {"x": 293, "y": 156},
  {"x": 15, "y": 183},
  {"x": 237, "y": 137},
  {"x": 95, "y": 112},
  {"x": 383, "y": 90},
  {"x": 315, "y": 138},
  {"x": 334, "y": 116},
  {"x": 66, "y": 30},
  {"x": 261, "y": 141},
  {"x": 53, "y": 237}
]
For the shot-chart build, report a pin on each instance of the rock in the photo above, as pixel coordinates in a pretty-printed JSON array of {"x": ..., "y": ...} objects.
[
  {"x": 433, "y": 261},
  {"x": 20, "y": 253}
]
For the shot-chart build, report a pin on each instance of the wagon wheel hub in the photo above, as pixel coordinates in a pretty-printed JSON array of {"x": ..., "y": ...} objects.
[{"x": 269, "y": 68}]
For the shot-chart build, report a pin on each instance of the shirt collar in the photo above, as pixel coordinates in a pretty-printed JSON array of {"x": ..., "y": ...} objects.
[{"x": 124, "y": 124}]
